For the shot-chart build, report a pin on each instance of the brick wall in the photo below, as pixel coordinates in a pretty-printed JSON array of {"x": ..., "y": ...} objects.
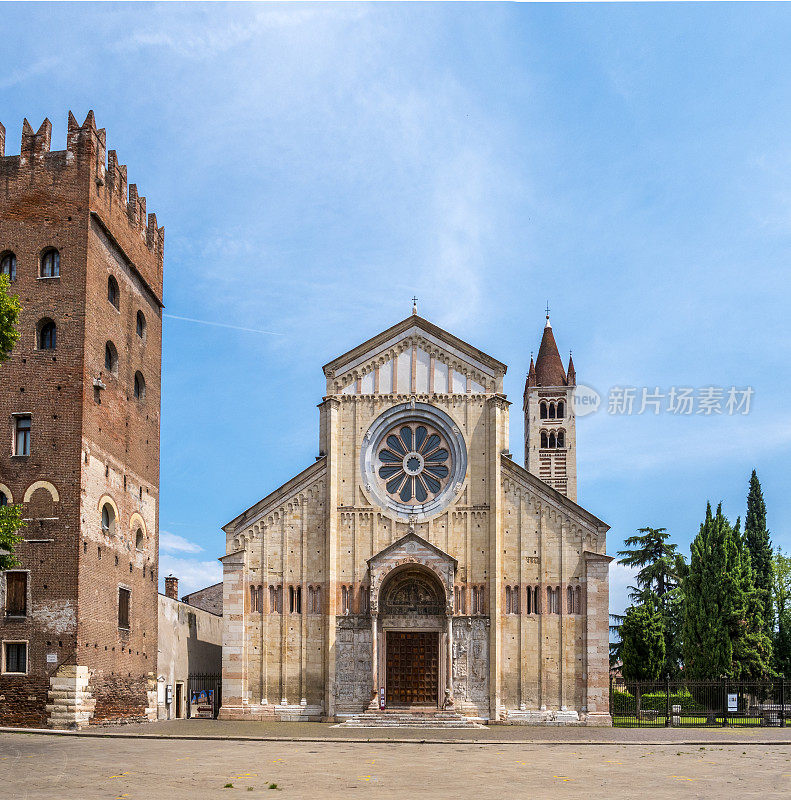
[{"x": 90, "y": 444}]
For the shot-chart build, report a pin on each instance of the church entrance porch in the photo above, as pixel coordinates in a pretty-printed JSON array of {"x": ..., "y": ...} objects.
[{"x": 412, "y": 671}]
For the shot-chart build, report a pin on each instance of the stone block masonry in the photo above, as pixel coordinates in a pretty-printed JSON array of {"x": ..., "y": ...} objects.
[{"x": 89, "y": 259}]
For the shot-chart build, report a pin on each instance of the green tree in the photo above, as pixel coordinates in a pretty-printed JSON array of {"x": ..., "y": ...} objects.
[
  {"x": 10, "y": 525},
  {"x": 9, "y": 316},
  {"x": 781, "y": 593},
  {"x": 643, "y": 642},
  {"x": 723, "y": 633},
  {"x": 760, "y": 546},
  {"x": 10, "y": 516},
  {"x": 660, "y": 567}
]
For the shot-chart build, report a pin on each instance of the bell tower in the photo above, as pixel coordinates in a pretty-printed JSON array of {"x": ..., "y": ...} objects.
[{"x": 550, "y": 428}]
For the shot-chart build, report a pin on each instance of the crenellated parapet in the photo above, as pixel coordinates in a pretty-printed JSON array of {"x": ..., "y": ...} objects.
[{"x": 88, "y": 164}]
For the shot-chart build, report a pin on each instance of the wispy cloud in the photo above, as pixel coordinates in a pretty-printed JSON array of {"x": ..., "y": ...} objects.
[
  {"x": 173, "y": 543},
  {"x": 192, "y": 574},
  {"x": 22, "y": 74}
]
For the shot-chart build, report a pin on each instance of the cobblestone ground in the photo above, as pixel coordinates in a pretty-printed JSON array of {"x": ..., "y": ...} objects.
[{"x": 66, "y": 767}]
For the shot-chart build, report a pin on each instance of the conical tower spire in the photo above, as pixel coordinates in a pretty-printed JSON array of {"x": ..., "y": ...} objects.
[
  {"x": 571, "y": 375},
  {"x": 549, "y": 367}
]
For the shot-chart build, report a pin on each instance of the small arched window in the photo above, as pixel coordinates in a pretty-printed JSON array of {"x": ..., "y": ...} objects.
[
  {"x": 141, "y": 325},
  {"x": 108, "y": 519},
  {"x": 8, "y": 266},
  {"x": 552, "y": 440},
  {"x": 561, "y": 438},
  {"x": 140, "y": 386},
  {"x": 577, "y": 600},
  {"x": 110, "y": 358},
  {"x": 544, "y": 440},
  {"x": 139, "y": 539},
  {"x": 570, "y": 600},
  {"x": 561, "y": 409},
  {"x": 50, "y": 263},
  {"x": 552, "y": 411},
  {"x": 542, "y": 406},
  {"x": 272, "y": 600},
  {"x": 507, "y": 599},
  {"x": 47, "y": 335},
  {"x": 528, "y": 601},
  {"x": 113, "y": 293},
  {"x": 536, "y": 600}
]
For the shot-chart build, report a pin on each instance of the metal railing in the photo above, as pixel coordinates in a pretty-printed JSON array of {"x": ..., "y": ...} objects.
[
  {"x": 699, "y": 704},
  {"x": 210, "y": 682}
]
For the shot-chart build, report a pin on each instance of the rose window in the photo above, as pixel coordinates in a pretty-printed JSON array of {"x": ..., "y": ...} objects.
[{"x": 413, "y": 463}]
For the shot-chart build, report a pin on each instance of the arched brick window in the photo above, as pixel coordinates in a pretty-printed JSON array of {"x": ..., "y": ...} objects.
[
  {"x": 139, "y": 386},
  {"x": 561, "y": 439},
  {"x": 47, "y": 334},
  {"x": 110, "y": 358},
  {"x": 141, "y": 325},
  {"x": 561, "y": 409},
  {"x": 50, "y": 263},
  {"x": 8, "y": 265},
  {"x": 542, "y": 409},
  {"x": 544, "y": 440},
  {"x": 113, "y": 292},
  {"x": 552, "y": 410}
]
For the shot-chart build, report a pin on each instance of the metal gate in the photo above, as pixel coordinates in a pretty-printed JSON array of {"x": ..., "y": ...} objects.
[
  {"x": 698, "y": 704},
  {"x": 208, "y": 682}
]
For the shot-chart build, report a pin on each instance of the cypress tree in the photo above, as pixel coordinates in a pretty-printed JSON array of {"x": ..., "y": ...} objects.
[
  {"x": 760, "y": 547},
  {"x": 643, "y": 642},
  {"x": 723, "y": 626}
]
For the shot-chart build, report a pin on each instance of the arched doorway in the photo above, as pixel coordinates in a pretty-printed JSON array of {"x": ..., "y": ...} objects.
[{"x": 412, "y": 608}]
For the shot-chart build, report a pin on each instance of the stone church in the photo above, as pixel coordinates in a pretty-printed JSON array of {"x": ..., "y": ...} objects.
[{"x": 415, "y": 565}]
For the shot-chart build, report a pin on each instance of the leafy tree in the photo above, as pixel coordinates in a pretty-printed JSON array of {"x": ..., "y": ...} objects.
[
  {"x": 643, "y": 642},
  {"x": 9, "y": 316},
  {"x": 10, "y": 516},
  {"x": 10, "y": 525},
  {"x": 781, "y": 591},
  {"x": 660, "y": 567},
  {"x": 759, "y": 544},
  {"x": 723, "y": 633}
]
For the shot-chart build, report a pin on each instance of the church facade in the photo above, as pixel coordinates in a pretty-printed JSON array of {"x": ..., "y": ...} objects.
[{"x": 415, "y": 564}]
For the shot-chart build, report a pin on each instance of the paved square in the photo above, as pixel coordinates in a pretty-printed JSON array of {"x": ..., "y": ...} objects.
[{"x": 36, "y": 766}]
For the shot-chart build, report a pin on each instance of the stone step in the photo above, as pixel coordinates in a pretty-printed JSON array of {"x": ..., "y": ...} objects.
[{"x": 406, "y": 719}]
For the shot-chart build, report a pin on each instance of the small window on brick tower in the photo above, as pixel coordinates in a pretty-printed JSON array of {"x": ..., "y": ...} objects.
[
  {"x": 8, "y": 266},
  {"x": 141, "y": 325},
  {"x": 50, "y": 263},
  {"x": 16, "y": 594},
  {"x": 22, "y": 425},
  {"x": 124, "y": 598},
  {"x": 113, "y": 294},
  {"x": 111, "y": 358},
  {"x": 47, "y": 334},
  {"x": 108, "y": 519},
  {"x": 139, "y": 539},
  {"x": 15, "y": 657},
  {"x": 140, "y": 386}
]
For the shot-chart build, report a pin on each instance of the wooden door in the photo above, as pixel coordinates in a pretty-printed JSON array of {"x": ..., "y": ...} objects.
[{"x": 412, "y": 673}]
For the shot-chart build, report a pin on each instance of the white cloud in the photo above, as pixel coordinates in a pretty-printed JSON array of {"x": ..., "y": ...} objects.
[
  {"x": 621, "y": 578},
  {"x": 173, "y": 543},
  {"x": 192, "y": 574}
]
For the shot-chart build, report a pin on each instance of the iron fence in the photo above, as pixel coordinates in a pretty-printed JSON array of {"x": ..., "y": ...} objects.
[
  {"x": 698, "y": 704},
  {"x": 204, "y": 682}
]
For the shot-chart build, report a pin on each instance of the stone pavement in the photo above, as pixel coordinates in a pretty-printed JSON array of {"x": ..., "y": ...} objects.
[
  {"x": 35, "y": 766},
  {"x": 321, "y": 732}
]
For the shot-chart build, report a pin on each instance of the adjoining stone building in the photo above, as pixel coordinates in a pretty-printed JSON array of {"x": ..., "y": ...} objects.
[
  {"x": 190, "y": 651},
  {"x": 80, "y": 404},
  {"x": 415, "y": 564}
]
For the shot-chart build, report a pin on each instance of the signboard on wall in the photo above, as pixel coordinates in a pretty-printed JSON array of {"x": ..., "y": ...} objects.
[{"x": 202, "y": 703}]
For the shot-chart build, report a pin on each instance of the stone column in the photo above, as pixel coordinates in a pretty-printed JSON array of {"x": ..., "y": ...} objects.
[
  {"x": 597, "y": 598},
  {"x": 234, "y": 638},
  {"x": 449, "y": 680},
  {"x": 374, "y": 660}
]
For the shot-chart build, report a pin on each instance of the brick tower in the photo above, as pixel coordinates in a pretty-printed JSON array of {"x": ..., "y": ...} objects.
[
  {"x": 80, "y": 399},
  {"x": 550, "y": 428}
]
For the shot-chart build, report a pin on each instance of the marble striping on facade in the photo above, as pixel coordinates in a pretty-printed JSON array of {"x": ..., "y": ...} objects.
[{"x": 522, "y": 568}]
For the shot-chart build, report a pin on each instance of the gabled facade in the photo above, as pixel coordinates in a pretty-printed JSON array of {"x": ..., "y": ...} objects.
[{"x": 414, "y": 563}]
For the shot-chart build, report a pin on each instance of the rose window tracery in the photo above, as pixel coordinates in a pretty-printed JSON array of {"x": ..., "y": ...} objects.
[{"x": 413, "y": 463}]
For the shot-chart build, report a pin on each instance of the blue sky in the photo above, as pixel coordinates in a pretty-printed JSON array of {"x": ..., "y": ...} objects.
[{"x": 317, "y": 165}]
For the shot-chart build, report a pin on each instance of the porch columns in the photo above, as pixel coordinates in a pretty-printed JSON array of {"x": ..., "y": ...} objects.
[
  {"x": 449, "y": 667},
  {"x": 375, "y": 658}
]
